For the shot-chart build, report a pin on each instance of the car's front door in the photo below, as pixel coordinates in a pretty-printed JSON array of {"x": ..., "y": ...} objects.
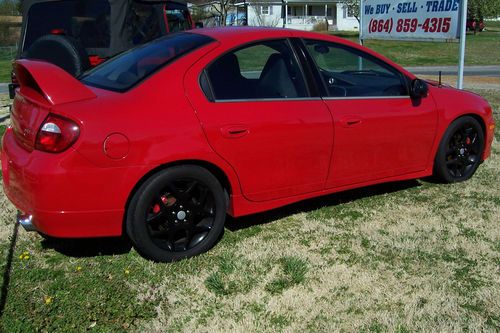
[
  {"x": 257, "y": 113},
  {"x": 379, "y": 130}
]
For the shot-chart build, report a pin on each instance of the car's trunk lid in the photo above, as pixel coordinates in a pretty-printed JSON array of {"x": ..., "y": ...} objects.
[{"x": 42, "y": 87}]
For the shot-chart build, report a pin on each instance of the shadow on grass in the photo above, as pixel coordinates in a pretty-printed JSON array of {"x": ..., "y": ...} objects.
[
  {"x": 88, "y": 247},
  {"x": 110, "y": 246},
  {"x": 308, "y": 205},
  {"x": 8, "y": 269}
]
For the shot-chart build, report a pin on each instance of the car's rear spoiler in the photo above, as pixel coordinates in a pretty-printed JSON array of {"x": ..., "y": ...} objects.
[{"x": 54, "y": 84}]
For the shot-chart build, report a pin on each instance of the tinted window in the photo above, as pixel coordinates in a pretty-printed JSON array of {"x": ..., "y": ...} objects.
[
  {"x": 129, "y": 68},
  {"x": 142, "y": 23},
  {"x": 178, "y": 19},
  {"x": 86, "y": 20},
  {"x": 264, "y": 70},
  {"x": 348, "y": 72}
]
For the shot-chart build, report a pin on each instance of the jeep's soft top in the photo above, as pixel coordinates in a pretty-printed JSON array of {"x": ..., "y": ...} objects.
[{"x": 103, "y": 27}]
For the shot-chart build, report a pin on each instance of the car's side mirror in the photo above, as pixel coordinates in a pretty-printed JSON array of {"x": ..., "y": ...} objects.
[{"x": 418, "y": 89}]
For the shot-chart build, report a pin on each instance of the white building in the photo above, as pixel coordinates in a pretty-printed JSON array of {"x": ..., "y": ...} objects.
[{"x": 294, "y": 14}]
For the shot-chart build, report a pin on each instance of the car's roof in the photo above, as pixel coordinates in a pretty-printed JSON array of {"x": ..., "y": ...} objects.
[
  {"x": 233, "y": 36},
  {"x": 227, "y": 34}
]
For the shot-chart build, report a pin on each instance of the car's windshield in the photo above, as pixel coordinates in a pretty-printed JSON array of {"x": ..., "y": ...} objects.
[{"x": 126, "y": 70}]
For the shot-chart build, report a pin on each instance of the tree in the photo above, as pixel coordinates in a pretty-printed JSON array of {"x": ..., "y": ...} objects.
[
  {"x": 222, "y": 7},
  {"x": 352, "y": 8},
  {"x": 484, "y": 8},
  {"x": 10, "y": 7}
]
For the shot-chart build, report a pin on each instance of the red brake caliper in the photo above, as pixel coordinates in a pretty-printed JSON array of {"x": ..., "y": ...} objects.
[{"x": 156, "y": 207}]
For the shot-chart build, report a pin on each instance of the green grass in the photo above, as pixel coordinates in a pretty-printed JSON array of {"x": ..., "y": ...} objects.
[
  {"x": 404, "y": 257},
  {"x": 492, "y": 25},
  {"x": 2, "y": 130},
  {"x": 435, "y": 53},
  {"x": 5, "y": 70}
]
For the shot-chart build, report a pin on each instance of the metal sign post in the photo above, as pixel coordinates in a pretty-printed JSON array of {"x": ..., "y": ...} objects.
[
  {"x": 360, "y": 22},
  {"x": 461, "y": 61}
]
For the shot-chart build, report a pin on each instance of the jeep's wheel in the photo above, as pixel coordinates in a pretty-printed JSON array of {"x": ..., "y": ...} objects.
[
  {"x": 177, "y": 213},
  {"x": 63, "y": 51}
]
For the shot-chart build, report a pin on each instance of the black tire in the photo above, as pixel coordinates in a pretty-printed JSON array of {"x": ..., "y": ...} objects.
[
  {"x": 63, "y": 51},
  {"x": 177, "y": 213},
  {"x": 459, "y": 153}
]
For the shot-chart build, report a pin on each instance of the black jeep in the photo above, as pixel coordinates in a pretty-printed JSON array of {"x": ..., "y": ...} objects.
[{"x": 79, "y": 34}]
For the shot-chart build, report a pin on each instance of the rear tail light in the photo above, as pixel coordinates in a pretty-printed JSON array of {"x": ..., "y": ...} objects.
[
  {"x": 13, "y": 77},
  {"x": 58, "y": 32},
  {"x": 56, "y": 134}
]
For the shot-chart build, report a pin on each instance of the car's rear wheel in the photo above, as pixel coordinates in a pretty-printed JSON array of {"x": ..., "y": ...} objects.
[
  {"x": 460, "y": 150},
  {"x": 177, "y": 213}
]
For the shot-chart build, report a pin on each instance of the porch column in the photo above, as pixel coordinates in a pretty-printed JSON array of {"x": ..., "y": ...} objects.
[
  {"x": 286, "y": 15},
  {"x": 305, "y": 15}
]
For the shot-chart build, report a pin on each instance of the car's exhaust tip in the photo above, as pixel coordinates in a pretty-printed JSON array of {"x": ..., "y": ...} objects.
[{"x": 26, "y": 221}]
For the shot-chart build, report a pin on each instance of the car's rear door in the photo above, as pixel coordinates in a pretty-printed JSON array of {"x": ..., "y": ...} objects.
[
  {"x": 379, "y": 130},
  {"x": 257, "y": 113}
]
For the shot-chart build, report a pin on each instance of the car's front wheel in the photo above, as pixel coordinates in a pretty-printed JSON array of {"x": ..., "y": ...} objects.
[
  {"x": 177, "y": 213},
  {"x": 460, "y": 150}
]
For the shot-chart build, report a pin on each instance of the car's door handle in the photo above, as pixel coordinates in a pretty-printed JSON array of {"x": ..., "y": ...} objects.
[
  {"x": 234, "y": 131},
  {"x": 350, "y": 121}
]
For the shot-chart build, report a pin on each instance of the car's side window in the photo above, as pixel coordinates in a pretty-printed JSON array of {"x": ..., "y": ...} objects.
[
  {"x": 349, "y": 72},
  {"x": 264, "y": 70}
]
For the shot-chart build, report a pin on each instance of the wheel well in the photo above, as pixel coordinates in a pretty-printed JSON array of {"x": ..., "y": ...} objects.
[
  {"x": 479, "y": 120},
  {"x": 213, "y": 169}
]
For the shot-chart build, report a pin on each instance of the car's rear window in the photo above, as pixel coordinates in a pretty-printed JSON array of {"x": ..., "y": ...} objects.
[{"x": 127, "y": 69}]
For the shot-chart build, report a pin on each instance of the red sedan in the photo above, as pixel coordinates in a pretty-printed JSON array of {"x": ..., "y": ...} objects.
[{"x": 164, "y": 140}]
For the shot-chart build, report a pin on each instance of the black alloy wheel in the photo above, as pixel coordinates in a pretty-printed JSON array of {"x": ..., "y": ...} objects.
[
  {"x": 177, "y": 213},
  {"x": 459, "y": 153}
]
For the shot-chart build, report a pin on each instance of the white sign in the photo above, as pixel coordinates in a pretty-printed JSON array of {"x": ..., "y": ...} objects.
[{"x": 410, "y": 20}]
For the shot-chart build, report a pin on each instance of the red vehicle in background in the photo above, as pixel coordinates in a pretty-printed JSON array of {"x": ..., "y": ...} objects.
[
  {"x": 77, "y": 35},
  {"x": 475, "y": 24}
]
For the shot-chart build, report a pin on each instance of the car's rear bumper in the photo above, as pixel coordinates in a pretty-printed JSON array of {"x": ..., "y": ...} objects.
[{"x": 64, "y": 193}]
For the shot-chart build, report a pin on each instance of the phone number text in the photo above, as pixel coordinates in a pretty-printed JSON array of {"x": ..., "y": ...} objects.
[{"x": 430, "y": 25}]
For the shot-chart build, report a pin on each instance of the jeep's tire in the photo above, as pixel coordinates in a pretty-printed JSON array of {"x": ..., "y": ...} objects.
[
  {"x": 177, "y": 213},
  {"x": 63, "y": 51}
]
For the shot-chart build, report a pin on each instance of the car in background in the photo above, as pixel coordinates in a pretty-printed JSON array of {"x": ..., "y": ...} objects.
[
  {"x": 162, "y": 142},
  {"x": 77, "y": 35},
  {"x": 474, "y": 24}
]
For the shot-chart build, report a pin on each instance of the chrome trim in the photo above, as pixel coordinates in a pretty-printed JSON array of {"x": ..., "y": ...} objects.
[
  {"x": 267, "y": 100},
  {"x": 26, "y": 221},
  {"x": 366, "y": 97}
]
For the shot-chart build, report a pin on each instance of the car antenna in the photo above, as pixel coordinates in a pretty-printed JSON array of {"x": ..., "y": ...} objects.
[{"x": 439, "y": 82}]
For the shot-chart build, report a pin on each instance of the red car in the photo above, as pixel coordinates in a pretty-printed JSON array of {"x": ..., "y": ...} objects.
[
  {"x": 474, "y": 24},
  {"x": 161, "y": 142}
]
